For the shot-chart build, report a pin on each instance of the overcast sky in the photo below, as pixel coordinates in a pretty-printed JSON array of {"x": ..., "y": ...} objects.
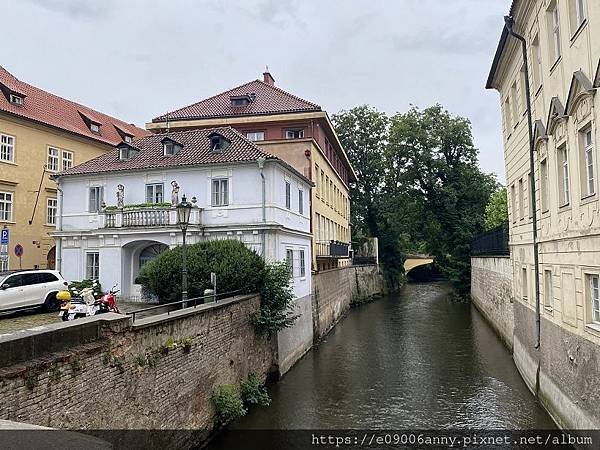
[{"x": 137, "y": 59}]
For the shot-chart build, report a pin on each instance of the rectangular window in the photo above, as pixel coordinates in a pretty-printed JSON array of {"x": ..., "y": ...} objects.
[
  {"x": 220, "y": 192},
  {"x": 589, "y": 185},
  {"x": 255, "y": 136},
  {"x": 530, "y": 192},
  {"x": 544, "y": 184},
  {"x": 51, "y": 207},
  {"x": 595, "y": 297},
  {"x": 524, "y": 288},
  {"x": 53, "y": 161},
  {"x": 6, "y": 206},
  {"x": 92, "y": 266},
  {"x": 95, "y": 198},
  {"x": 67, "y": 160},
  {"x": 548, "y": 295},
  {"x": 323, "y": 185},
  {"x": 288, "y": 195},
  {"x": 577, "y": 14},
  {"x": 302, "y": 264},
  {"x": 522, "y": 87},
  {"x": 154, "y": 193},
  {"x": 294, "y": 134},
  {"x": 521, "y": 200},
  {"x": 300, "y": 201},
  {"x": 7, "y": 148},
  {"x": 536, "y": 62},
  {"x": 515, "y": 108},
  {"x": 513, "y": 203},
  {"x": 563, "y": 175},
  {"x": 507, "y": 119},
  {"x": 317, "y": 181},
  {"x": 554, "y": 21},
  {"x": 289, "y": 259}
]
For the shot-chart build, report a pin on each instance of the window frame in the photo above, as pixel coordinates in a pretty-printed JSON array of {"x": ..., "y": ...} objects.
[
  {"x": 51, "y": 219},
  {"x": 254, "y": 133},
  {"x": 8, "y": 147},
  {"x": 296, "y": 133},
  {"x": 98, "y": 199},
  {"x": 95, "y": 265},
  {"x": 544, "y": 197},
  {"x": 289, "y": 259},
  {"x": 521, "y": 200},
  {"x": 219, "y": 197},
  {"x": 302, "y": 263},
  {"x": 153, "y": 198},
  {"x": 593, "y": 294},
  {"x": 524, "y": 284},
  {"x": 54, "y": 158},
  {"x": 555, "y": 32},
  {"x": 7, "y": 214},
  {"x": 288, "y": 195},
  {"x": 548, "y": 290},
  {"x": 301, "y": 201},
  {"x": 588, "y": 169},
  {"x": 67, "y": 156},
  {"x": 563, "y": 175}
]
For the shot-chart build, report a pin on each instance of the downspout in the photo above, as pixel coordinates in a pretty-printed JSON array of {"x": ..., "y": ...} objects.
[
  {"x": 509, "y": 23},
  {"x": 58, "y": 242},
  {"x": 261, "y": 165}
]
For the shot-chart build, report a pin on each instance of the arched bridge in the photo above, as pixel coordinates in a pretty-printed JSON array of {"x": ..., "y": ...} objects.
[{"x": 416, "y": 260}]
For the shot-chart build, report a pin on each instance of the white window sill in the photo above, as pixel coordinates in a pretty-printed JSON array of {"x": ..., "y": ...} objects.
[
  {"x": 8, "y": 221},
  {"x": 12, "y": 163},
  {"x": 593, "y": 328}
]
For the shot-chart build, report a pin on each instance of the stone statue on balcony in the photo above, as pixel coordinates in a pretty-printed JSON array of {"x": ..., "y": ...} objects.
[
  {"x": 120, "y": 196},
  {"x": 174, "y": 193}
]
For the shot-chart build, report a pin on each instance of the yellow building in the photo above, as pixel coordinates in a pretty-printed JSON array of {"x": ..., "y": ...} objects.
[
  {"x": 300, "y": 133},
  {"x": 42, "y": 134},
  {"x": 563, "y": 53}
]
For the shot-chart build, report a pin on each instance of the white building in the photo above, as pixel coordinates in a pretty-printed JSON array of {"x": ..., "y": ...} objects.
[{"x": 116, "y": 212}]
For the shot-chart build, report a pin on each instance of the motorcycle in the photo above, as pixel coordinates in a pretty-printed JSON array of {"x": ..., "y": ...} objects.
[{"x": 86, "y": 304}]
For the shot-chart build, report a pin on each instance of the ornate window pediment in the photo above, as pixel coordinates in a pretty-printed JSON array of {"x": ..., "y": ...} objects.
[
  {"x": 540, "y": 138},
  {"x": 579, "y": 101},
  {"x": 557, "y": 120}
]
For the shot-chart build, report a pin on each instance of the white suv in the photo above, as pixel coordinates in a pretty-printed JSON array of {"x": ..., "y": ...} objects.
[{"x": 21, "y": 289}]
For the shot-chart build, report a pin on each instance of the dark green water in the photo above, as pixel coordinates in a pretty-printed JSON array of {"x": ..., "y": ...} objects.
[{"x": 411, "y": 360}]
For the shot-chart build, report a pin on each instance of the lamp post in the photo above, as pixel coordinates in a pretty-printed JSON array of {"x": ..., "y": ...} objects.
[{"x": 184, "y": 210}]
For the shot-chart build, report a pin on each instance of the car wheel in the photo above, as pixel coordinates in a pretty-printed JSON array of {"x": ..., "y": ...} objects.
[{"x": 51, "y": 304}]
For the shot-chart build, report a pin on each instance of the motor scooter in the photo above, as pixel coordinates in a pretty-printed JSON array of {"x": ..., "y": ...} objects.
[{"x": 86, "y": 304}]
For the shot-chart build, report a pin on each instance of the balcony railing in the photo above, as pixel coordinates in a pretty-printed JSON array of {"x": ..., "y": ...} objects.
[
  {"x": 492, "y": 243},
  {"x": 332, "y": 249},
  {"x": 159, "y": 216}
]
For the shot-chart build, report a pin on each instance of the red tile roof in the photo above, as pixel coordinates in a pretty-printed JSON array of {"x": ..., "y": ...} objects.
[
  {"x": 49, "y": 109},
  {"x": 268, "y": 100},
  {"x": 196, "y": 151}
]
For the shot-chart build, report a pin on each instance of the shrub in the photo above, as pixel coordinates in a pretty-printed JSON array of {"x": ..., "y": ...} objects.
[
  {"x": 276, "y": 308},
  {"x": 236, "y": 266},
  {"x": 254, "y": 391},
  {"x": 77, "y": 286},
  {"x": 228, "y": 403}
]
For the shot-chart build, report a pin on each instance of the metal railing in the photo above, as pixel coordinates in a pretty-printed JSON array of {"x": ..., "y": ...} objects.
[
  {"x": 332, "y": 249},
  {"x": 187, "y": 303},
  {"x": 491, "y": 243}
]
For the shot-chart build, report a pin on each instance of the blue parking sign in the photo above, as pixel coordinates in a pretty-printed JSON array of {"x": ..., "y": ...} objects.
[{"x": 4, "y": 239}]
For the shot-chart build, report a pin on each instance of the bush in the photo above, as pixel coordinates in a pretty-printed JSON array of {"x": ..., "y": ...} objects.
[
  {"x": 276, "y": 308},
  {"x": 236, "y": 266},
  {"x": 228, "y": 402},
  {"x": 76, "y": 287},
  {"x": 254, "y": 391}
]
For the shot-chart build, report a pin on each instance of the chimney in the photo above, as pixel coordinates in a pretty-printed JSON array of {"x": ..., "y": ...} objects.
[{"x": 268, "y": 78}]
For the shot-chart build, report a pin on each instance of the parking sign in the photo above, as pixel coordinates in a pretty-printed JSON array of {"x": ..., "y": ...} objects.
[{"x": 4, "y": 238}]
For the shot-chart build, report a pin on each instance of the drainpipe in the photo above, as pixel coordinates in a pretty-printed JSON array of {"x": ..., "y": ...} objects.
[
  {"x": 58, "y": 242},
  {"x": 509, "y": 23},
  {"x": 261, "y": 165}
]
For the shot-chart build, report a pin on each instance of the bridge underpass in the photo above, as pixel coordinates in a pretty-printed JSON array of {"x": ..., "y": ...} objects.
[{"x": 413, "y": 261}]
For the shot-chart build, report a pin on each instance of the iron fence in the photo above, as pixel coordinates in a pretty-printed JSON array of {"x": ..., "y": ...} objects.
[{"x": 491, "y": 243}]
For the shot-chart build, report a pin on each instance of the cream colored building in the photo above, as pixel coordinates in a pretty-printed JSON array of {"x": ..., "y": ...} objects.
[
  {"x": 300, "y": 133},
  {"x": 40, "y": 135},
  {"x": 563, "y": 50}
]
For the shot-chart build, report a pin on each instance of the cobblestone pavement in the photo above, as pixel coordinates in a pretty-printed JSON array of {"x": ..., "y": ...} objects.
[{"x": 23, "y": 320}]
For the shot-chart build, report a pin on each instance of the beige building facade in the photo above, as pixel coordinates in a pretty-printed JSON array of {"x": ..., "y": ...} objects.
[
  {"x": 563, "y": 51},
  {"x": 40, "y": 135}
]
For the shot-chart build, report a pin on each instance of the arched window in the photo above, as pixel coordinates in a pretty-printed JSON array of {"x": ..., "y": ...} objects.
[{"x": 151, "y": 252}]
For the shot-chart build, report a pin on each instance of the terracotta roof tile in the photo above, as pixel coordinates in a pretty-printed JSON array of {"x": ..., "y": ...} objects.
[
  {"x": 196, "y": 151},
  {"x": 49, "y": 109},
  {"x": 268, "y": 100}
]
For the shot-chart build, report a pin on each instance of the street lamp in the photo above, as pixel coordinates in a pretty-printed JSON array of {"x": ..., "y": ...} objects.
[{"x": 184, "y": 209}]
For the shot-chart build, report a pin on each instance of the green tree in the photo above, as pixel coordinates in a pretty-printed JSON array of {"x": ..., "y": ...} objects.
[{"x": 496, "y": 211}]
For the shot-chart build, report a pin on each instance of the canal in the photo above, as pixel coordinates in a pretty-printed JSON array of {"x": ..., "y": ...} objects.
[{"x": 414, "y": 359}]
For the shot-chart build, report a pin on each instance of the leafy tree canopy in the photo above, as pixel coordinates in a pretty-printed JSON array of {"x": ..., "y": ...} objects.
[{"x": 496, "y": 211}]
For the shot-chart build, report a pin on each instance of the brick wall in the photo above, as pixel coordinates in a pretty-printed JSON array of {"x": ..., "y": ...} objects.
[
  {"x": 124, "y": 380},
  {"x": 333, "y": 290},
  {"x": 491, "y": 292}
]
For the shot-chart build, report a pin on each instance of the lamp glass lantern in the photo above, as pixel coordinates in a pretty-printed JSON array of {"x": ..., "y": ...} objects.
[{"x": 184, "y": 209}]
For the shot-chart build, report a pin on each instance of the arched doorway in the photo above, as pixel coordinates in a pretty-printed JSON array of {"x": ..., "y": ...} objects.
[{"x": 51, "y": 258}]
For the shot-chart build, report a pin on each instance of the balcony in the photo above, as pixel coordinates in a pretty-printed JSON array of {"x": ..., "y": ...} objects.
[
  {"x": 158, "y": 216},
  {"x": 332, "y": 249}
]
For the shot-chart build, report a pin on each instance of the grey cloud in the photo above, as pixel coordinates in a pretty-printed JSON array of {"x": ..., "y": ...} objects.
[{"x": 89, "y": 9}]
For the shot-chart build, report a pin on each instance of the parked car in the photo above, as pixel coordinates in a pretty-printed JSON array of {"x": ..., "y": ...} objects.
[{"x": 22, "y": 289}]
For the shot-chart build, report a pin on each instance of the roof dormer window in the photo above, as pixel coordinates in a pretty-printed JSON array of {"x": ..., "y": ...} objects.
[
  {"x": 126, "y": 152},
  {"x": 171, "y": 147},
  {"x": 127, "y": 138},
  {"x": 16, "y": 99},
  {"x": 239, "y": 101},
  {"x": 218, "y": 142},
  {"x": 95, "y": 128}
]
